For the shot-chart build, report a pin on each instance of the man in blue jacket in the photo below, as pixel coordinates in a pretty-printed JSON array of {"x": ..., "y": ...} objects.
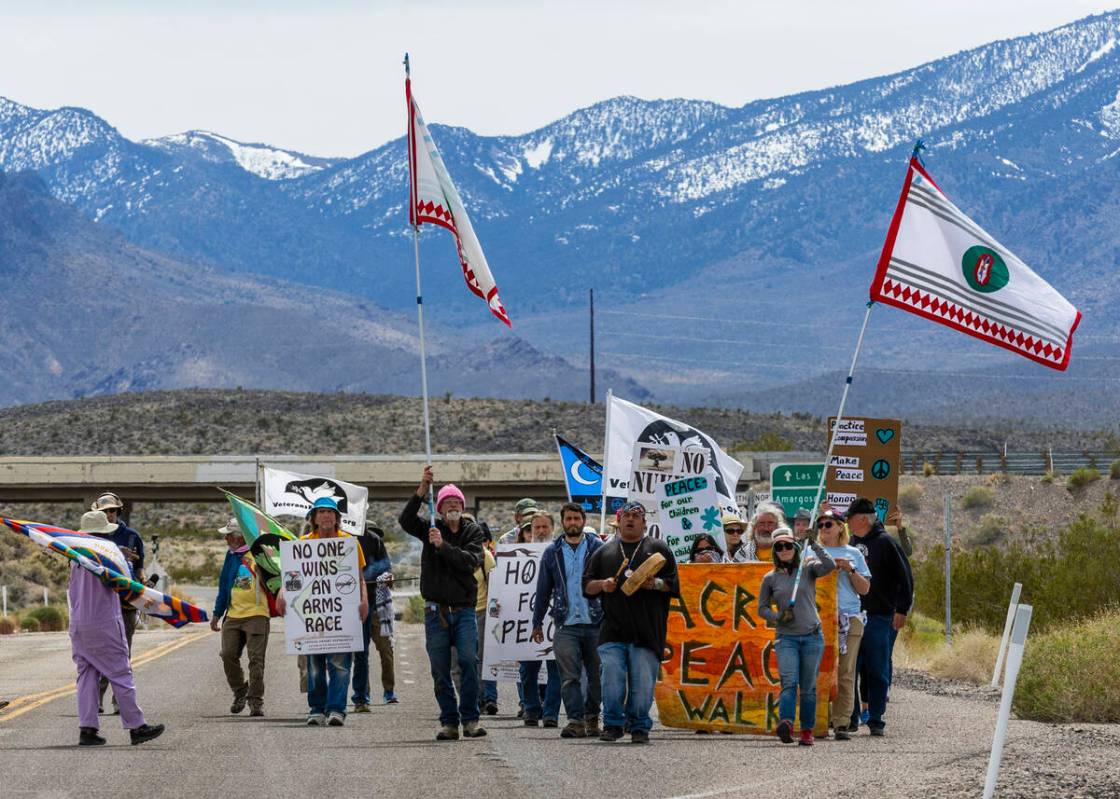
[{"x": 577, "y": 618}]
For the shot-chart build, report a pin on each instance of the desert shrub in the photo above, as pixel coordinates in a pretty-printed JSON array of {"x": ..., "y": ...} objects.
[
  {"x": 978, "y": 498},
  {"x": 1065, "y": 580},
  {"x": 1049, "y": 477},
  {"x": 928, "y": 470},
  {"x": 1081, "y": 478},
  {"x": 1070, "y": 673},
  {"x": 989, "y": 529},
  {"x": 29, "y": 624},
  {"x": 770, "y": 441},
  {"x": 1114, "y": 471},
  {"x": 971, "y": 657},
  {"x": 50, "y": 617},
  {"x": 414, "y": 611},
  {"x": 910, "y": 497},
  {"x": 8, "y": 625}
]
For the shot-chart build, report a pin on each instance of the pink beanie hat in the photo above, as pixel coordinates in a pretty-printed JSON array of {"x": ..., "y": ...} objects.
[{"x": 450, "y": 491}]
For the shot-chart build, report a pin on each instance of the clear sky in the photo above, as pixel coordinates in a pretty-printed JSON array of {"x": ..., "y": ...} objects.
[{"x": 324, "y": 76}]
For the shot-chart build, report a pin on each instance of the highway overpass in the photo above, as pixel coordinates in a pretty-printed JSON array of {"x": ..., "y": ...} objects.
[{"x": 185, "y": 478}]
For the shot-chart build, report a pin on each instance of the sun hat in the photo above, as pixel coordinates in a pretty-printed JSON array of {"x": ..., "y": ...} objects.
[
  {"x": 95, "y": 521},
  {"x": 231, "y": 528},
  {"x": 107, "y": 501},
  {"x": 324, "y": 502}
]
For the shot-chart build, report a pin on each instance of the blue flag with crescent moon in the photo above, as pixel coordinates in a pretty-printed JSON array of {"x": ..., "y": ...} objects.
[{"x": 582, "y": 474}]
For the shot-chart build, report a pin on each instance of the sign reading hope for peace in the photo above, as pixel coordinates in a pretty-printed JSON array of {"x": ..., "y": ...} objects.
[
  {"x": 322, "y": 591},
  {"x": 510, "y": 602},
  {"x": 719, "y": 670}
]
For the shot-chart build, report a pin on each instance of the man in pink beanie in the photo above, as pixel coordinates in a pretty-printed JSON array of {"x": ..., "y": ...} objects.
[{"x": 452, "y": 552}]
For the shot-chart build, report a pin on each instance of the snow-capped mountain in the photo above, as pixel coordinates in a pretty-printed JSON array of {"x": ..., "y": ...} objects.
[
  {"x": 262, "y": 160},
  {"x": 664, "y": 207}
]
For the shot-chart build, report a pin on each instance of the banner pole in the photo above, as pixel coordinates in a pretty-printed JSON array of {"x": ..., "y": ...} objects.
[
  {"x": 832, "y": 443},
  {"x": 948, "y": 571},
  {"x": 423, "y": 373},
  {"x": 606, "y": 467},
  {"x": 419, "y": 293}
]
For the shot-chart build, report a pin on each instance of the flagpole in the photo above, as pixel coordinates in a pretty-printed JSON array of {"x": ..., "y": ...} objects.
[
  {"x": 420, "y": 323},
  {"x": 832, "y": 444},
  {"x": 606, "y": 467}
]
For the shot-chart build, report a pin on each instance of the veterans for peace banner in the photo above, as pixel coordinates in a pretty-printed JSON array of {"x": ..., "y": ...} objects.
[
  {"x": 433, "y": 198},
  {"x": 938, "y": 263},
  {"x": 322, "y": 594},
  {"x": 292, "y": 494},
  {"x": 509, "y": 612},
  {"x": 719, "y": 670},
  {"x": 629, "y": 425}
]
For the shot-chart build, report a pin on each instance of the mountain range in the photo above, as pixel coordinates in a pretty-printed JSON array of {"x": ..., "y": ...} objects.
[{"x": 730, "y": 248}]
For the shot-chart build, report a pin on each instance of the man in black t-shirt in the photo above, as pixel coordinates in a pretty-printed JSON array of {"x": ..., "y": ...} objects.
[{"x": 632, "y": 635}]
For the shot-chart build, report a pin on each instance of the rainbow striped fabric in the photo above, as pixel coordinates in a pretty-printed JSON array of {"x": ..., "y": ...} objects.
[{"x": 104, "y": 558}]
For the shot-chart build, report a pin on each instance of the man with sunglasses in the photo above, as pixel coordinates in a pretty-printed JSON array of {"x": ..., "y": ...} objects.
[{"x": 632, "y": 634}]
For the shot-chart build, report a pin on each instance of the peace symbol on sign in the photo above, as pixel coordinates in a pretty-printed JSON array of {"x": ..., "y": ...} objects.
[{"x": 880, "y": 469}]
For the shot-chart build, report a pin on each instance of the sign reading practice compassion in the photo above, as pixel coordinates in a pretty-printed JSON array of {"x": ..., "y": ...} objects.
[
  {"x": 865, "y": 462},
  {"x": 719, "y": 670},
  {"x": 510, "y": 601},
  {"x": 322, "y": 589}
]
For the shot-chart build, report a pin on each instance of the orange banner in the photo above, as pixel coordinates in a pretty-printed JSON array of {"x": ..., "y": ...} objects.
[{"x": 720, "y": 671}]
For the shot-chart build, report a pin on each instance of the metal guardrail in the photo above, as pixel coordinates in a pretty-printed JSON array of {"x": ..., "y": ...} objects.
[{"x": 991, "y": 462}]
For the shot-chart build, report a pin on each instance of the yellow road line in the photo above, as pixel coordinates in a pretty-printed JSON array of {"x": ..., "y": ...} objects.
[{"x": 25, "y": 704}]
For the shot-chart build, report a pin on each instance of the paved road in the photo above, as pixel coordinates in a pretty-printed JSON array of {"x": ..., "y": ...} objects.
[{"x": 937, "y": 745}]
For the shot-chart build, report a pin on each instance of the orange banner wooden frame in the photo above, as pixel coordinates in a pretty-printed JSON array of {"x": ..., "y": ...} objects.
[{"x": 719, "y": 670}]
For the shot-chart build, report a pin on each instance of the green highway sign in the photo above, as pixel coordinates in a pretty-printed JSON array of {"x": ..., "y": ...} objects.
[{"x": 794, "y": 485}]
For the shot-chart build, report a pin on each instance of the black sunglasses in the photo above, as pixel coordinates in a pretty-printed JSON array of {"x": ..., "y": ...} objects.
[
  {"x": 782, "y": 545},
  {"x": 825, "y": 524}
]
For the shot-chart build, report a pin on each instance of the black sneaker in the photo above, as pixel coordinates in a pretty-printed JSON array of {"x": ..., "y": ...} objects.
[
  {"x": 145, "y": 733},
  {"x": 238, "y": 705},
  {"x": 490, "y": 708},
  {"x": 531, "y": 722},
  {"x": 87, "y": 736},
  {"x": 842, "y": 734},
  {"x": 877, "y": 732},
  {"x": 553, "y": 723},
  {"x": 256, "y": 712},
  {"x": 785, "y": 731},
  {"x": 611, "y": 734},
  {"x": 639, "y": 737}
]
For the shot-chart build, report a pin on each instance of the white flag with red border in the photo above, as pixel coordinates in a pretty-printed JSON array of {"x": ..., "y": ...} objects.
[
  {"x": 939, "y": 264},
  {"x": 433, "y": 198}
]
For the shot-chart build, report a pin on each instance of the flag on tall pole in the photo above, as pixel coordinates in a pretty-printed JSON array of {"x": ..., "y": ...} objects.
[
  {"x": 434, "y": 199},
  {"x": 938, "y": 263}
]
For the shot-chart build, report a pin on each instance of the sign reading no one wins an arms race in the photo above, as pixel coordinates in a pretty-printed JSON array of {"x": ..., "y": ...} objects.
[{"x": 322, "y": 590}]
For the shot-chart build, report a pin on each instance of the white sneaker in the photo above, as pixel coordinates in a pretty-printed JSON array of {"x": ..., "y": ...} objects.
[
  {"x": 316, "y": 720},
  {"x": 336, "y": 719}
]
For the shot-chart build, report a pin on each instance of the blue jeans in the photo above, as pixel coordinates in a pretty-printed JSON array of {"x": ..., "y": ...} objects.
[
  {"x": 489, "y": 687},
  {"x": 328, "y": 677},
  {"x": 457, "y": 629},
  {"x": 629, "y": 673},
  {"x": 875, "y": 667},
  {"x": 799, "y": 658},
  {"x": 535, "y": 696},
  {"x": 576, "y": 649}
]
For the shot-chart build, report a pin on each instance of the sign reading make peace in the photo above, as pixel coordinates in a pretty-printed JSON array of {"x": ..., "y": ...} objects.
[
  {"x": 322, "y": 591},
  {"x": 866, "y": 460},
  {"x": 687, "y": 508},
  {"x": 510, "y": 601},
  {"x": 720, "y": 671}
]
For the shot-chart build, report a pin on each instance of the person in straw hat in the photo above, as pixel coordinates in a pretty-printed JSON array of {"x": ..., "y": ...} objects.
[
  {"x": 243, "y": 602},
  {"x": 99, "y": 648},
  {"x": 130, "y": 544}
]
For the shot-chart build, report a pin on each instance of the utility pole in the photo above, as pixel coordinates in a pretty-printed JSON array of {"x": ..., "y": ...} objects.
[{"x": 591, "y": 295}]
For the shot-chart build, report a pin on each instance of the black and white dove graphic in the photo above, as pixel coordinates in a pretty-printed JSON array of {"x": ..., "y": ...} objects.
[{"x": 314, "y": 488}]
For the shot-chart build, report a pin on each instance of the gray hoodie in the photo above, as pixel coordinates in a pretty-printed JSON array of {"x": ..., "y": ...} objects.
[{"x": 777, "y": 587}]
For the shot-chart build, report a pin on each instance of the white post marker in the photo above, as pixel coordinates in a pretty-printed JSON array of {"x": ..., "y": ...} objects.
[
  {"x": 948, "y": 572},
  {"x": 1016, "y": 590},
  {"x": 1014, "y": 660},
  {"x": 45, "y": 600},
  {"x": 5, "y": 600}
]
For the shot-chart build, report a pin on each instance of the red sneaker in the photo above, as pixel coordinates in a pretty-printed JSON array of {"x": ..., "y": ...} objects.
[{"x": 806, "y": 738}]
